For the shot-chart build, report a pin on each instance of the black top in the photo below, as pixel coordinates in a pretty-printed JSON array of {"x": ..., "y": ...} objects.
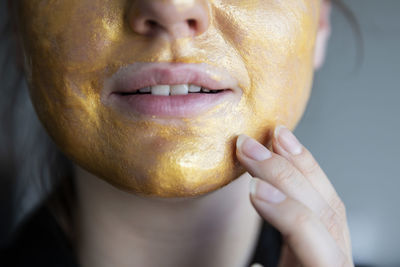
[{"x": 41, "y": 242}]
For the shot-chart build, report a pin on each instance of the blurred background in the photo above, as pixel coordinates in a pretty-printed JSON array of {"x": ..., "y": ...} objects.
[{"x": 352, "y": 126}]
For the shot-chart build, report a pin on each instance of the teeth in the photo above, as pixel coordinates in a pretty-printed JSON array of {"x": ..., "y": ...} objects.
[
  {"x": 160, "y": 90},
  {"x": 194, "y": 88},
  {"x": 181, "y": 89},
  {"x": 145, "y": 90}
]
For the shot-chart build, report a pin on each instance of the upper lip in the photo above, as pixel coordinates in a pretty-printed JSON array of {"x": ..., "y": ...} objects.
[{"x": 139, "y": 75}]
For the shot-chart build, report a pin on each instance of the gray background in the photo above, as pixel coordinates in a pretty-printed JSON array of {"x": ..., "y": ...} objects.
[{"x": 352, "y": 126}]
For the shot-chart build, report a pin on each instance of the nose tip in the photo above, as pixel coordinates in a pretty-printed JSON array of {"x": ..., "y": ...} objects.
[{"x": 183, "y": 18}]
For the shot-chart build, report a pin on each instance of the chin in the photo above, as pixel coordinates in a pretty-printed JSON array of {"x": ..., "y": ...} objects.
[
  {"x": 179, "y": 170},
  {"x": 180, "y": 183}
]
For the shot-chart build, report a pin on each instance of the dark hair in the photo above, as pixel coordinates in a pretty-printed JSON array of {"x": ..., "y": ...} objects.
[
  {"x": 28, "y": 157},
  {"x": 352, "y": 19},
  {"x": 31, "y": 166}
]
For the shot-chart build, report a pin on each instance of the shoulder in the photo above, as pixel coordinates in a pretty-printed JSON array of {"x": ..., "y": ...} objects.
[{"x": 38, "y": 242}]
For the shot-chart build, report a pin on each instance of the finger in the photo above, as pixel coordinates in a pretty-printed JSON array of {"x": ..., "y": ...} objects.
[
  {"x": 306, "y": 235},
  {"x": 279, "y": 172},
  {"x": 287, "y": 145},
  {"x": 282, "y": 174}
]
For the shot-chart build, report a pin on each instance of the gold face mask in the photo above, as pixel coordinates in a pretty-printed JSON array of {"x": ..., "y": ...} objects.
[{"x": 73, "y": 47}]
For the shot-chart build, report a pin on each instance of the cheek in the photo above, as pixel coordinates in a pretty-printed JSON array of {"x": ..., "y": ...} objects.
[
  {"x": 280, "y": 64},
  {"x": 75, "y": 35}
]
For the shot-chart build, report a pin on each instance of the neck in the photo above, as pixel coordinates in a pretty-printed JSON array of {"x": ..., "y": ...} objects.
[{"x": 116, "y": 228}]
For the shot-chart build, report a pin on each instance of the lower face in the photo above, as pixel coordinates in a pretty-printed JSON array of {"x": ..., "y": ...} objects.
[{"x": 74, "y": 48}]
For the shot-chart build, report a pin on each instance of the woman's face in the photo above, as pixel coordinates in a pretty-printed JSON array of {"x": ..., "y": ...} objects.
[{"x": 86, "y": 59}]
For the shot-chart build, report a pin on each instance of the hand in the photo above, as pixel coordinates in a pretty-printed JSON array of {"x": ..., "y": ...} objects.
[{"x": 295, "y": 196}]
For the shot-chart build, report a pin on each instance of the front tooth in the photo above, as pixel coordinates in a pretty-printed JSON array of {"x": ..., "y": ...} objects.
[
  {"x": 145, "y": 90},
  {"x": 160, "y": 90},
  {"x": 180, "y": 89},
  {"x": 194, "y": 88}
]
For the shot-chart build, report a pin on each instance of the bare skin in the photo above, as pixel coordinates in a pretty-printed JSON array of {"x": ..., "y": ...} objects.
[{"x": 120, "y": 229}]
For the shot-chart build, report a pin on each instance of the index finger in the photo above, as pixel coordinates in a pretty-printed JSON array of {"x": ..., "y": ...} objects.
[{"x": 288, "y": 146}]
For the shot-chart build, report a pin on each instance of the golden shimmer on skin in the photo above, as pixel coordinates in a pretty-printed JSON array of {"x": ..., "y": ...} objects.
[{"x": 73, "y": 46}]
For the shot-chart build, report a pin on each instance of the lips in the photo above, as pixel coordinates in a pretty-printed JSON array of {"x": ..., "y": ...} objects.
[{"x": 169, "y": 90}]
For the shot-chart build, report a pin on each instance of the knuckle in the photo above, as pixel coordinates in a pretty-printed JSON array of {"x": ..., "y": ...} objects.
[
  {"x": 333, "y": 223},
  {"x": 283, "y": 175},
  {"x": 309, "y": 163},
  {"x": 311, "y": 166},
  {"x": 339, "y": 207},
  {"x": 329, "y": 216},
  {"x": 336, "y": 231}
]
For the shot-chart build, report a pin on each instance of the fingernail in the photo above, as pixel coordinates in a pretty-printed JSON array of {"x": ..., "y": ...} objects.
[
  {"x": 287, "y": 140},
  {"x": 265, "y": 192},
  {"x": 252, "y": 149}
]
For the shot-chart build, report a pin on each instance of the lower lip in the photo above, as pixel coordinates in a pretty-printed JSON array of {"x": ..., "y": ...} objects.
[{"x": 190, "y": 105}]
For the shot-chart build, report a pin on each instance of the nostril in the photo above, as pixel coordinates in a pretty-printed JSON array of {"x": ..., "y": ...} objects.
[
  {"x": 192, "y": 24},
  {"x": 151, "y": 18},
  {"x": 151, "y": 24}
]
